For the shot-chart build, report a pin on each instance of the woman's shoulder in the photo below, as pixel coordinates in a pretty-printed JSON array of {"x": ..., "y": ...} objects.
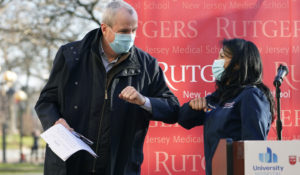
[{"x": 252, "y": 91}]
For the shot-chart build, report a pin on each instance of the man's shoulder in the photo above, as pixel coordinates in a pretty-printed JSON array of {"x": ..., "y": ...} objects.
[
  {"x": 71, "y": 46},
  {"x": 80, "y": 45},
  {"x": 143, "y": 55},
  {"x": 71, "y": 52}
]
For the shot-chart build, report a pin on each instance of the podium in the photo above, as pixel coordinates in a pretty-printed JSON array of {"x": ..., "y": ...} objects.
[{"x": 256, "y": 158}]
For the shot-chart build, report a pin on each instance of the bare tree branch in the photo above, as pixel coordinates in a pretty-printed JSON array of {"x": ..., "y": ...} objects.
[
  {"x": 89, "y": 8},
  {"x": 31, "y": 32}
]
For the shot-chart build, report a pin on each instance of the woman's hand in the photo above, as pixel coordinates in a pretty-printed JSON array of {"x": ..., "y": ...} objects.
[{"x": 198, "y": 104}]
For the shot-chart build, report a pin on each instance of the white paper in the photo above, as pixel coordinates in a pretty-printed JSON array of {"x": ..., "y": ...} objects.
[{"x": 63, "y": 143}]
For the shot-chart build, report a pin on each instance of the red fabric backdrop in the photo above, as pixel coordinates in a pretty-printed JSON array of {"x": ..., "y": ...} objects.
[{"x": 185, "y": 35}]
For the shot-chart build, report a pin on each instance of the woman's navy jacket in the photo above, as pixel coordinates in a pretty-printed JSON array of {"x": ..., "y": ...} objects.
[{"x": 246, "y": 117}]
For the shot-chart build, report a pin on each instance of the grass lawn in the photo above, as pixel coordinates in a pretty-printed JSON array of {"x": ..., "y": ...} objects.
[{"x": 12, "y": 168}]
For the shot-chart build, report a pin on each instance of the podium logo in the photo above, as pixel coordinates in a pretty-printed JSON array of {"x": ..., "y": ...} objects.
[
  {"x": 292, "y": 160},
  {"x": 268, "y": 157}
]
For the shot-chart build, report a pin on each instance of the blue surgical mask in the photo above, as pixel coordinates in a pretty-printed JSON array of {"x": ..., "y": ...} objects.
[
  {"x": 122, "y": 43},
  {"x": 218, "y": 68}
]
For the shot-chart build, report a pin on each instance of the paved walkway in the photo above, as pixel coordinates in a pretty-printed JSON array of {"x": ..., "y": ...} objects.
[{"x": 13, "y": 156}]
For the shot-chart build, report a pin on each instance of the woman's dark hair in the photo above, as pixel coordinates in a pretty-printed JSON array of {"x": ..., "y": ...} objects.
[{"x": 244, "y": 69}]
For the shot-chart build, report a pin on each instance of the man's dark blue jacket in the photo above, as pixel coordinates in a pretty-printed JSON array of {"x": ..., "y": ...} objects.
[{"x": 80, "y": 91}]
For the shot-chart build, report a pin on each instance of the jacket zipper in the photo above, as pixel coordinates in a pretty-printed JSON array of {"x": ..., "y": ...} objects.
[
  {"x": 100, "y": 125},
  {"x": 103, "y": 109}
]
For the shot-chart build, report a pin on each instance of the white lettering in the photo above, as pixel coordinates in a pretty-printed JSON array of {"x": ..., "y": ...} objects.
[
  {"x": 222, "y": 27},
  {"x": 285, "y": 27},
  {"x": 188, "y": 94},
  {"x": 169, "y": 29},
  {"x": 193, "y": 71},
  {"x": 182, "y": 74},
  {"x": 264, "y": 29},
  {"x": 165, "y": 27},
  {"x": 203, "y": 75},
  {"x": 297, "y": 28},
  {"x": 165, "y": 69},
  {"x": 286, "y": 118},
  {"x": 163, "y": 160},
  {"x": 154, "y": 32},
  {"x": 296, "y": 49},
  {"x": 297, "y": 117},
  {"x": 179, "y": 26},
  {"x": 253, "y": 28},
  {"x": 293, "y": 70}
]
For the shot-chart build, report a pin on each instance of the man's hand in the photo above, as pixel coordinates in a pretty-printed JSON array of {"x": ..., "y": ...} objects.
[
  {"x": 198, "y": 104},
  {"x": 131, "y": 95},
  {"x": 64, "y": 123}
]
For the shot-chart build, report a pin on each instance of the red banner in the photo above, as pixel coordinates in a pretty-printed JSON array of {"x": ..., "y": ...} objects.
[{"x": 185, "y": 35}]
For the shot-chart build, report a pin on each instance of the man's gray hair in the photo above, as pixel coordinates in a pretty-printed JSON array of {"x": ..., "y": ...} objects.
[{"x": 110, "y": 11}]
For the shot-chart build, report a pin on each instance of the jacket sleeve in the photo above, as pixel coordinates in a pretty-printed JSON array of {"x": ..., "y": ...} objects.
[
  {"x": 47, "y": 105},
  {"x": 165, "y": 105},
  {"x": 189, "y": 118},
  {"x": 255, "y": 115}
]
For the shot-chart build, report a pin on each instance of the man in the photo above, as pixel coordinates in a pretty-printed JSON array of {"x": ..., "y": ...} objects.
[{"x": 108, "y": 90}]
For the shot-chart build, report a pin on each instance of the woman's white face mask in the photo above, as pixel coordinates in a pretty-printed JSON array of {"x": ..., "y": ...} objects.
[{"x": 218, "y": 68}]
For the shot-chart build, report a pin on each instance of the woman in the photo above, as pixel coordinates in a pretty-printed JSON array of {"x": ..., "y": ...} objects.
[{"x": 241, "y": 108}]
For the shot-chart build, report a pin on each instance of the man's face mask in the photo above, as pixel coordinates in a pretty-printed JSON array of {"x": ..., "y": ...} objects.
[
  {"x": 218, "y": 68},
  {"x": 122, "y": 43}
]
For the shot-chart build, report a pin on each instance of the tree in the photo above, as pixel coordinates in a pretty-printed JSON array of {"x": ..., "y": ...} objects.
[{"x": 31, "y": 32}]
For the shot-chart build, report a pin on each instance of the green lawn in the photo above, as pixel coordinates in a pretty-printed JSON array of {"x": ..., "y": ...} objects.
[
  {"x": 13, "y": 142},
  {"x": 12, "y": 168}
]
